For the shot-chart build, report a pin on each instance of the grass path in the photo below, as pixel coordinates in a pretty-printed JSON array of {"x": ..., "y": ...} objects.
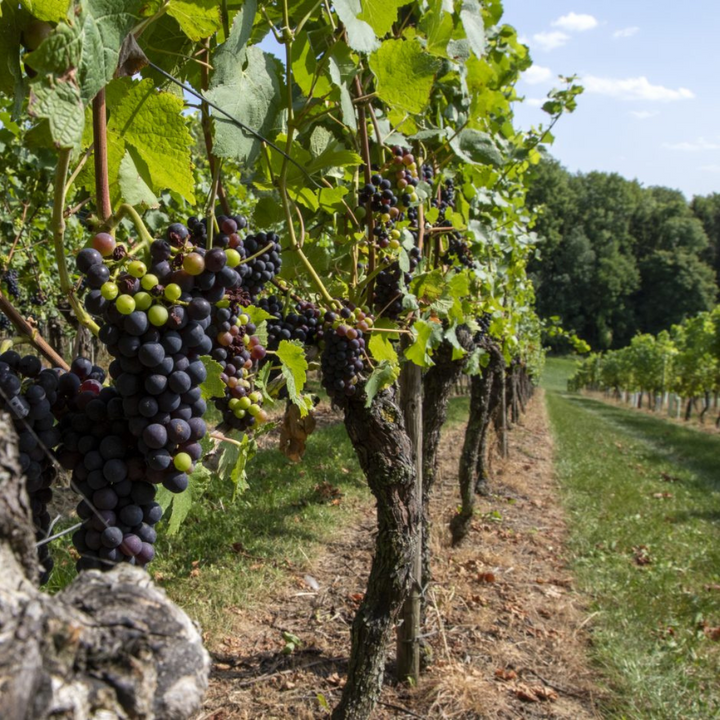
[{"x": 643, "y": 497}]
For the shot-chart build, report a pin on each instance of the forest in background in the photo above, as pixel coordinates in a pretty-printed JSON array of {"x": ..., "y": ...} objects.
[{"x": 616, "y": 258}]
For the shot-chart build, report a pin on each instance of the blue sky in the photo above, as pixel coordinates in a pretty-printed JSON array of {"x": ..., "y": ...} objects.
[{"x": 651, "y": 107}]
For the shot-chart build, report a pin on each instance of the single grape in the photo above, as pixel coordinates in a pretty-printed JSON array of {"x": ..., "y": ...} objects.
[
  {"x": 104, "y": 243},
  {"x": 125, "y": 304},
  {"x": 137, "y": 268}
]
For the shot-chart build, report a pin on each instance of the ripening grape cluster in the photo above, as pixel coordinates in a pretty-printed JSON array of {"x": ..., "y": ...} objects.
[
  {"x": 447, "y": 198},
  {"x": 388, "y": 290},
  {"x": 302, "y": 323},
  {"x": 343, "y": 356},
  {"x": 238, "y": 350},
  {"x": 10, "y": 278},
  {"x": 109, "y": 471},
  {"x": 458, "y": 252},
  {"x": 5, "y": 324},
  {"x": 27, "y": 393},
  {"x": 483, "y": 326}
]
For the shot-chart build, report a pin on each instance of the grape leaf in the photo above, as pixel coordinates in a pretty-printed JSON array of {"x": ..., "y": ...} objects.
[
  {"x": 246, "y": 84},
  {"x": 48, "y": 10},
  {"x": 426, "y": 335},
  {"x": 137, "y": 119},
  {"x": 381, "y": 14},
  {"x": 234, "y": 460},
  {"x": 305, "y": 66},
  {"x": 61, "y": 104},
  {"x": 181, "y": 503},
  {"x": 476, "y": 147},
  {"x": 382, "y": 349},
  {"x": 294, "y": 369},
  {"x": 197, "y": 18},
  {"x": 213, "y": 386},
  {"x": 360, "y": 35},
  {"x": 472, "y": 20},
  {"x": 132, "y": 186},
  {"x": 384, "y": 375},
  {"x": 438, "y": 27},
  {"x": 409, "y": 90},
  {"x": 12, "y": 22}
]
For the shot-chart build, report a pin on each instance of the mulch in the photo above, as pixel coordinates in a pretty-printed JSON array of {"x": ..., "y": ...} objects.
[{"x": 507, "y": 633}]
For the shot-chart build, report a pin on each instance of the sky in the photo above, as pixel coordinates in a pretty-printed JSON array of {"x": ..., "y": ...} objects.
[{"x": 651, "y": 71}]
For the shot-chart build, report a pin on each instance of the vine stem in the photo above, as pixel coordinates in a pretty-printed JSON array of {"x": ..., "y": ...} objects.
[
  {"x": 282, "y": 182},
  {"x": 30, "y": 333},
  {"x": 58, "y": 226},
  {"x": 102, "y": 182},
  {"x": 124, "y": 211}
]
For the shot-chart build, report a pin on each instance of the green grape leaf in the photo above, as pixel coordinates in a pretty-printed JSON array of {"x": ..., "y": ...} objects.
[
  {"x": 451, "y": 336},
  {"x": 333, "y": 156},
  {"x": 60, "y": 51},
  {"x": 257, "y": 314},
  {"x": 197, "y": 18},
  {"x": 247, "y": 86},
  {"x": 407, "y": 91},
  {"x": 294, "y": 369},
  {"x": 213, "y": 386},
  {"x": 471, "y": 16},
  {"x": 234, "y": 460},
  {"x": 132, "y": 186},
  {"x": 331, "y": 199},
  {"x": 49, "y": 10},
  {"x": 426, "y": 335},
  {"x": 181, "y": 503},
  {"x": 346, "y": 104},
  {"x": 61, "y": 104},
  {"x": 476, "y": 147},
  {"x": 437, "y": 25},
  {"x": 477, "y": 360},
  {"x": 384, "y": 375},
  {"x": 381, "y": 14},
  {"x": 305, "y": 66},
  {"x": 167, "y": 155},
  {"x": 360, "y": 35},
  {"x": 382, "y": 349}
]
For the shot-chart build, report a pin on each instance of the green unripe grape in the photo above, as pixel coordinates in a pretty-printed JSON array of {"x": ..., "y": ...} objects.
[
  {"x": 193, "y": 263},
  {"x": 239, "y": 413},
  {"x": 243, "y": 319},
  {"x": 143, "y": 300},
  {"x": 149, "y": 281},
  {"x": 393, "y": 244},
  {"x": 137, "y": 268},
  {"x": 234, "y": 402},
  {"x": 244, "y": 403},
  {"x": 173, "y": 292},
  {"x": 233, "y": 258},
  {"x": 222, "y": 303},
  {"x": 254, "y": 410},
  {"x": 182, "y": 462},
  {"x": 413, "y": 197},
  {"x": 157, "y": 315},
  {"x": 125, "y": 304},
  {"x": 109, "y": 290},
  {"x": 255, "y": 396}
]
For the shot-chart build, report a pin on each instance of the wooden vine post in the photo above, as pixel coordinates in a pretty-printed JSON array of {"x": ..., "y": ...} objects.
[{"x": 408, "y": 632}]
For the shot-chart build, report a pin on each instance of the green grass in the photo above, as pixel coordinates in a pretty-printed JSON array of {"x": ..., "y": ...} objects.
[
  {"x": 648, "y": 631},
  {"x": 556, "y": 373}
]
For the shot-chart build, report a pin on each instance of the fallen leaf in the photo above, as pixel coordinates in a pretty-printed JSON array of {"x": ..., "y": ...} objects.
[
  {"x": 712, "y": 633},
  {"x": 505, "y": 674},
  {"x": 662, "y": 495},
  {"x": 642, "y": 555}
]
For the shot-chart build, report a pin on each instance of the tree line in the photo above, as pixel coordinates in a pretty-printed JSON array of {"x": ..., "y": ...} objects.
[{"x": 617, "y": 258}]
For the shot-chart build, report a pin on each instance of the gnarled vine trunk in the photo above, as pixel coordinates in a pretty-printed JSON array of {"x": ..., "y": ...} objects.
[
  {"x": 483, "y": 388},
  {"x": 383, "y": 448},
  {"x": 109, "y": 645},
  {"x": 438, "y": 384}
]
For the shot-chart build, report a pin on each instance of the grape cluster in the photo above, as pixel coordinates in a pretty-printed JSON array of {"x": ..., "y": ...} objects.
[
  {"x": 427, "y": 172},
  {"x": 39, "y": 299},
  {"x": 388, "y": 291},
  {"x": 343, "y": 357},
  {"x": 483, "y": 322},
  {"x": 238, "y": 350},
  {"x": 303, "y": 323},
  {"x": 5, "y": 324},
  {"x": 157, "y": 369},
  {"x": 27, "y": 392},
  {"x": 229, "y": 226},
  {"x": 10, "y": 278},
  {"x": 109, "y": 471},
  {"x": 447, "y": 198},
  {"x": 458, "y": 252}
]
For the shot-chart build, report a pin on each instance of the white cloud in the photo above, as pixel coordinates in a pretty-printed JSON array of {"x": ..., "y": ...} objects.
[
  {"x": 698, "y": 145},
  {"x": 537, "y": 74},
  {"x": 536, "y": 102},
  {"x": 575, "y": 23},
  {"x": 643, "y": 114},
  {"x": 638, "y": 88},
  {"x": 626, "y": 32},
  {"x": 550, "y": 40}
]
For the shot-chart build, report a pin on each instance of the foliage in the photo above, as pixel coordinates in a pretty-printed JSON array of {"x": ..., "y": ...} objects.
[{"x": 616, "y": 258}]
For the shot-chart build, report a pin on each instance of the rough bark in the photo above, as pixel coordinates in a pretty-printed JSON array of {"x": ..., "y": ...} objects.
[
  {"x": 494, "y": 374},
  {"x": 109, "y": 645},
  {"x": 383, "y": 449},
  {"x": 689, "y": 407},
  {"x": 438, "y": 384},
  {"x": 706, "y": 407},
  {"x": 500, "y": 414}
]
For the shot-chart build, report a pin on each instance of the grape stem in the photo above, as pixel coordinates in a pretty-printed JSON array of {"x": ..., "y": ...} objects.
[
  {"x": 58, "y": 226},
  {"x": 282, "y": 182},
  {"x": 30, "y": 334},
  {"x": 210, "y": 207},
  {"x": 126, "y": 210},
  {"x": 217, "y": 435},
  {"x": 267, "y": 248},
  {"x": 102, "y": 182}
]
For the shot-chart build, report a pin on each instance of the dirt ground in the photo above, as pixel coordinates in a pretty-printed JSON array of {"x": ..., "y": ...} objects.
[{"x": 507, "y": 633}]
